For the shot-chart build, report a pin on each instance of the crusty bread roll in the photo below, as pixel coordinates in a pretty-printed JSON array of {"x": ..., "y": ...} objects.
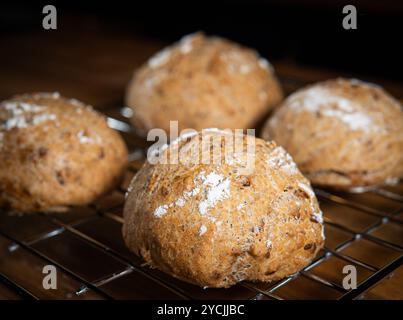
[
  {"x": 212, "y": 224},
  {"x": 342, "y": 133},
  {"x": 202, "y": 82},
  {"x": 55, "y": 152}
]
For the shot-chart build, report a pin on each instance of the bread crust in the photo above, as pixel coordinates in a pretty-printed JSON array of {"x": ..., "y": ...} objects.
[
  {"x": 55, "y": 152},
  {"x": 202, "y": 82},
  {"x": 209, "y": 225},
  {"x": 342, "y": 133}
]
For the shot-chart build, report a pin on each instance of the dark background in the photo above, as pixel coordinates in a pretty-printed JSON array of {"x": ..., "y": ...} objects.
[{"x": 307, "y": 32}]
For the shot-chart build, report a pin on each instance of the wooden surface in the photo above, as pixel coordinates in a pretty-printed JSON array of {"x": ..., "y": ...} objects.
[{"x": 93, "y": 63}]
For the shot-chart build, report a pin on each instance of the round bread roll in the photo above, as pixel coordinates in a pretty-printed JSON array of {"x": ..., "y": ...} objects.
[
  {"x": 214, "y": 225},
  {"x": 342, "y": 133},
  {"x": 55, "y": 152},
  {"x": 202, "y": 82}
]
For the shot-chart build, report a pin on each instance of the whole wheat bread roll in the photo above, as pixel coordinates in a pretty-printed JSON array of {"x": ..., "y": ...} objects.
[
  {"x": 55, "y": 152},
  {"x": 213, "y": 225},
  {"x": 202, "y": 82},
  {"x": 342, "y": 133}
]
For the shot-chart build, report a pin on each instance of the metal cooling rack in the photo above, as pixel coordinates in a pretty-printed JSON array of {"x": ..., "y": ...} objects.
[{"x": 364, "y": 230}]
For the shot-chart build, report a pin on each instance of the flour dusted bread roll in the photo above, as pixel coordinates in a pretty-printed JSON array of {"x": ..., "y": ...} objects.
[
  {"x": 55, "y": 152},
  {"x": 217, "y": 224},
  {"x": 202, "y": 82},
  {"x": 341, "y": 133}
]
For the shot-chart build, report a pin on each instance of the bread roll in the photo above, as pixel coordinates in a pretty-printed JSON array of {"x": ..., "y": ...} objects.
[
  {"x": 55, "y": 152},
  {"x": 213, "y": 225},
  {"x": 202, "y": 82},
  {"x": 342, "y": 133}
]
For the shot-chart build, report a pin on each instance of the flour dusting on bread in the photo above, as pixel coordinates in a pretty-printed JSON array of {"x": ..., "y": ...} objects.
[
  {"x": 330, "y": 104},
  {"x": 160, "y": 58},
  {"x": 217, "y": 189},
  {"x": 203, "y": 230},
  {"x": 280, "y": 159},
  {"x": 24, "y": 115}
]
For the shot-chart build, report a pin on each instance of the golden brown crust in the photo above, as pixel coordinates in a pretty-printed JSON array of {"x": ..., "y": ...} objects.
[
  {"x": 55, "y": 152},
  {"x": 210, "y": 225},
  {"x": 341, "y": 133},
  {"x": 202, "y": 82}
]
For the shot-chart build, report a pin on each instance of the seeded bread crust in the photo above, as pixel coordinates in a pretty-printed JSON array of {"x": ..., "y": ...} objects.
[
  {"x": 202, "y": 82},
  {"x": 342, "y": 133},
  {"x": 210, "y": 225},
  {"x": 55, "y": 152}
]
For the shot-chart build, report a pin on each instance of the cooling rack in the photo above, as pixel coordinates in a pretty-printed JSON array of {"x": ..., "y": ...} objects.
[{"x": 364, "y": 230}]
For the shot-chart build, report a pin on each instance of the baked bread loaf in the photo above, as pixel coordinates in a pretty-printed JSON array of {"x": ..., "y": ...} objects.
[
  {"x": 55, "y": 152},
  {"x": 342, "y": 133},
  {"x": 202, "y": 82},
  {"x": 212, "y": 224}
]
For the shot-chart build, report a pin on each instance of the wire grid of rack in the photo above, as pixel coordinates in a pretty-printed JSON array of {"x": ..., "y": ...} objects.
[{"x": 85, "y": 244}]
